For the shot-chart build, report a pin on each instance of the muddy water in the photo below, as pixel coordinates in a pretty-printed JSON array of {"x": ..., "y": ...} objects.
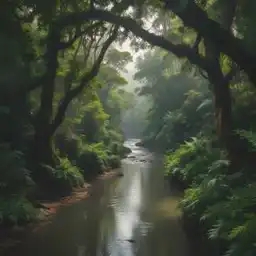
[{"x": 133, "y": 215}]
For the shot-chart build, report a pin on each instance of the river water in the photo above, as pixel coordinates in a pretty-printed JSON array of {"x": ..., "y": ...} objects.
[{"x": 136, "y": 214}]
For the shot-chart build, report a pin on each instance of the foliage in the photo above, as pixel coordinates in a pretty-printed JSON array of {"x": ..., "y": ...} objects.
[
  {"x": 60, "y": 75},
  {"x": 178, "y": 111},
  {"x": 15, "y": 183},
  {"x": 53, "y": 124},
  {"x": 69, "y": 173},
  {"x": 15, "y": 178},
  {"x": 91, "y": 163},
  {"x": 114, "y": 161},
  {"x": 218, "y": 196},
  {"x": 220, "y": 200},
  {"x": 191, "y": 158},
  {"x": 16, "y": 210}
]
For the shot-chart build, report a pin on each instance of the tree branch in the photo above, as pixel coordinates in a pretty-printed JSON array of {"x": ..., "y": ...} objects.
[
  {"x": 197, "y": 42},
  {"x": 79, "y": 33},
  {"x": 39, "y": 81},
  {"x": 193, "y": 16},
  {"x": 130, "y": 24},
  {"x": 71, "y": 74},
  {"x": 71, "y": 94},
  {"x": 203, "y": 74}
]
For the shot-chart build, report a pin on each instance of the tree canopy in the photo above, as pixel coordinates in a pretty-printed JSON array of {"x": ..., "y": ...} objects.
[{"x": 63, "y": 97}]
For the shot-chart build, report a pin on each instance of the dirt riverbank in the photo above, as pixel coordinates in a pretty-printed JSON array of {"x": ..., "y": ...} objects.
[{"x": 13, "y": 236}]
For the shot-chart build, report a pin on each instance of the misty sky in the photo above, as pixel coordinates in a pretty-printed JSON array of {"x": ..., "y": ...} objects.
[{"x": 131, "y": 66}]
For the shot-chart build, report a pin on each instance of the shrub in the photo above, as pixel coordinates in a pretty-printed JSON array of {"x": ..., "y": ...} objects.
[
  {"x": 125, "y": 151},
  {"x": 91, "y": 163},
  {"x": 114, "y": 161},
  {"x": 15, "y": 182},
  {"x": 69, "y": 172},
  {"x": 223, "y": 202},
  {"x": 16, "y": 210},
  {"x": 14, "y": 178},
  {"x": 68, "y": 146},
  {"x": 190, "y": 162},
  {"x": 111, "y": 136},
  {"x": 92, "y": 158},
  {"x": 64, "y": 176}
]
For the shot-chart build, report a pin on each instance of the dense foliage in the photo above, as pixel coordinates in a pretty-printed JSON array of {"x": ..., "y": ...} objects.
[
  {"x": 203, "y": 120},
  {"x": 218, "y": 196},
  {"x": 61, "y": 102}
]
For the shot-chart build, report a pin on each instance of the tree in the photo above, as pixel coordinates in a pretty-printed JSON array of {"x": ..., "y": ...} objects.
[{"x": 55, "y": 51}]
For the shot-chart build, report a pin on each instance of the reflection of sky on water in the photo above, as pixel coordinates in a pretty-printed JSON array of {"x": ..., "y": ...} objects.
[
  {"x": 135, "y": 206},
  {"x": 126, "y": 210},
  {"x": 126, "y": 204},
  {"x": 128, "y": 217},
  {"x": 131, "y": 213}
]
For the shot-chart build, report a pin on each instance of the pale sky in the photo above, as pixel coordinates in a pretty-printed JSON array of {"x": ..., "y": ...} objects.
[{"x": 131, "y": 66}]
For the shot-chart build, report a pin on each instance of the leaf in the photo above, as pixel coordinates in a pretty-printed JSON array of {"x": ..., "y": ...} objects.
[{"x": 204, "y": 104}]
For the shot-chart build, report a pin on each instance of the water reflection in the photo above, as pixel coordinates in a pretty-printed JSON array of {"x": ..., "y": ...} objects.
[
  {"x": 143, "y": 211},
  {"x": 128, "y": 216}
]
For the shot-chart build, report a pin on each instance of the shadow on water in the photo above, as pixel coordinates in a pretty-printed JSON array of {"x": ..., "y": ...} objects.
[{"x": 133, "y": 215}]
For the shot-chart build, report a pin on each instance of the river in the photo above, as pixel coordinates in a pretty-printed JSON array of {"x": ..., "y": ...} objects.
[{"x": 136, "y": 214}]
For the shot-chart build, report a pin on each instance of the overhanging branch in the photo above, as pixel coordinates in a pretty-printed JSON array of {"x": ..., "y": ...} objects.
[
  {"x": 72, "y": 93},
  {"x": 79, "y": 33},
  {"x": 130, "y": 24},
  {"x": 194, "y": 17},
  {"x": 40, "y": 80},
  {"x": 197, "y": 42}
]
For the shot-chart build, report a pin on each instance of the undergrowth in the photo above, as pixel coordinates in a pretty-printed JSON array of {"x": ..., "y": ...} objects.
[
  {"x": 224, "y": 204},
  {"x": 15, "y": 183},
  {"x": 92, "y": 158},
  {"x": 77, "y": 160}
]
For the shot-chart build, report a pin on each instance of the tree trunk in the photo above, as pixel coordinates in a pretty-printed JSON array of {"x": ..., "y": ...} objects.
[
  {"x": 219, "y": 34},
  {"x": 42, "y": 150},
  {"x": 223, "y": 107},
  {"x": 237, "y": 148}
]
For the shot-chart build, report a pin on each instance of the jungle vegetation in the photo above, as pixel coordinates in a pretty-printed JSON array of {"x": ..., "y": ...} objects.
[{"x": 62, "y": 98}]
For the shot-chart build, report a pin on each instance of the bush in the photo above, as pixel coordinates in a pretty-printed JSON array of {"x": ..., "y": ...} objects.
[
  {"x": 114, "y": 162},
  {"x": 15, "y": 178},
  {"x": 91, "y": 163},
  {"x": 15, "y": 182},
  {"x": 68, "y": 146},
  {"x": 70, "y": 173},
  {"x": 16, "y": 210},
  {"x": 115, "y": 148},
  {"x": 111, "y": 136},
  {"x": 96, "y": 158},
  {"x": 64, "y": 177},
  {"x": 223, "y": 203},
  {"x": 125, "y": 151},
  {"x": 92, "y": 158},
  {"x": 190, "y": 162}
]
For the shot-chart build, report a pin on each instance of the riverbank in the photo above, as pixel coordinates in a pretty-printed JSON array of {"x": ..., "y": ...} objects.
[{"x": 11, "y": 237}]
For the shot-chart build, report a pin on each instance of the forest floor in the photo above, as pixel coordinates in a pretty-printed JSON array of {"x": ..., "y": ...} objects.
[{"x": 10, "y": 237}]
